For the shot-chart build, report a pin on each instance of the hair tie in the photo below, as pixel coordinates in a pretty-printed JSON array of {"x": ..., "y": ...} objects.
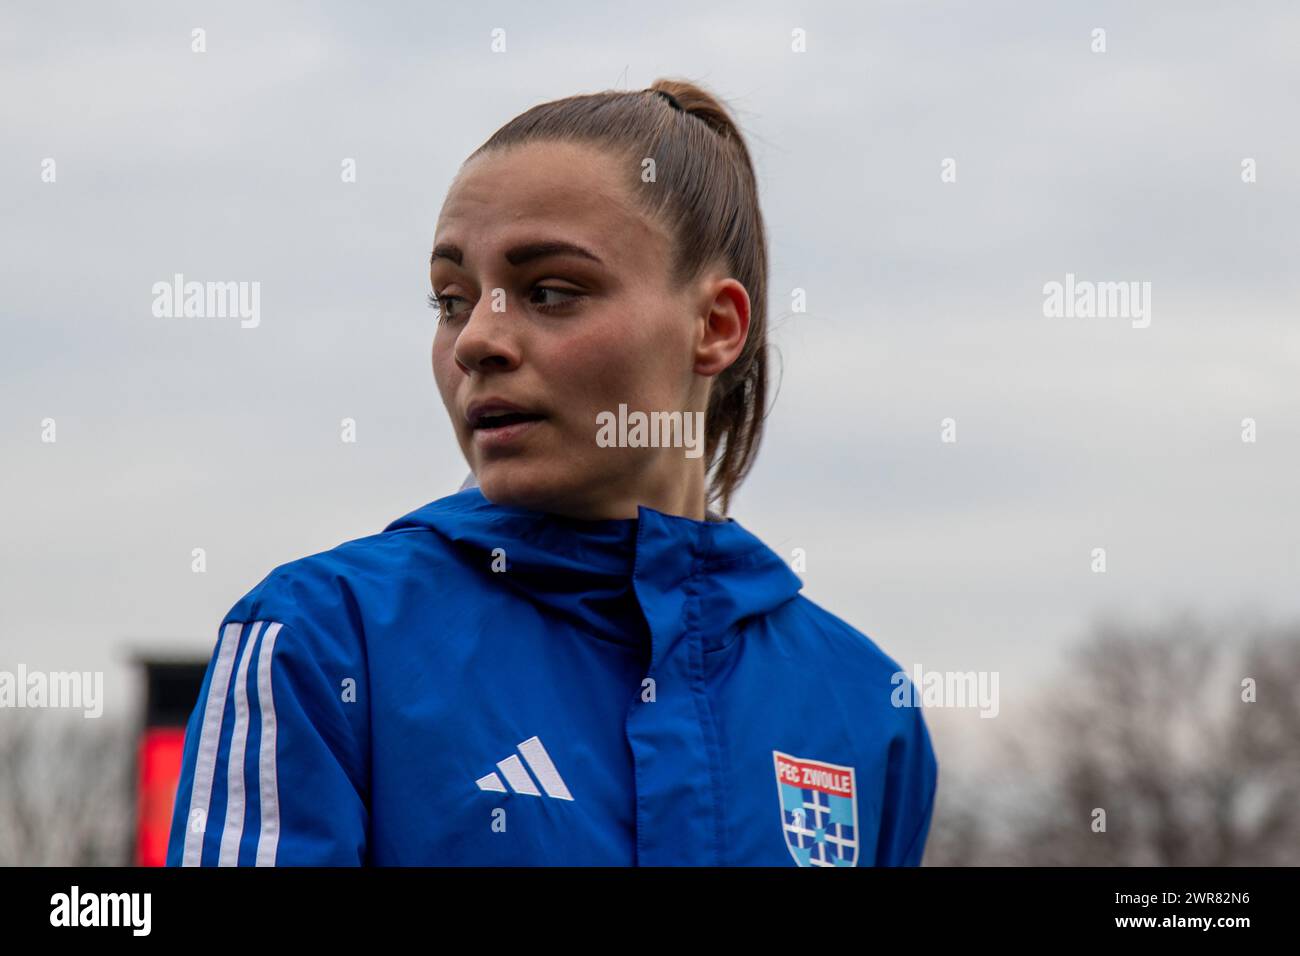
[{"x": 672, "y": 100}]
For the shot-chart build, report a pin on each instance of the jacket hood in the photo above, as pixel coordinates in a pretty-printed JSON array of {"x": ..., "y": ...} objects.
[{"x": 615, "y": 576}]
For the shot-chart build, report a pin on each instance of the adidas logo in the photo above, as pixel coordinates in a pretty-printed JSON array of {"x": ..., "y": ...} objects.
[{"x": 539, "y": 762}]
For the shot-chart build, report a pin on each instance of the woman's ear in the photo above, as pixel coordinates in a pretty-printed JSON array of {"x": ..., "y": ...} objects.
[{"x": 725, "y": 317}]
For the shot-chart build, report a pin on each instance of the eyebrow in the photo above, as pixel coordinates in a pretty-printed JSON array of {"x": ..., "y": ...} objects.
[{"x": 520, "y": 254}]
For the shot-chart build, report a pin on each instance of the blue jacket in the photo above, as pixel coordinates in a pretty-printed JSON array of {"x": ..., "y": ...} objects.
[{"x": 486, "y": 685}]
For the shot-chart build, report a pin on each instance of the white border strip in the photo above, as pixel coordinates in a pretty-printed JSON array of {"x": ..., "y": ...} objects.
[
  {"x": 268, "y": 840},
  {"x": 233, "y": 831},
  {"x": 205, "y": 763}
]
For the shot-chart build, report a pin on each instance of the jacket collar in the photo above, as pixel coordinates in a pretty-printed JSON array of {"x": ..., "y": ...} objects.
[{"x": 616, "y": 575}]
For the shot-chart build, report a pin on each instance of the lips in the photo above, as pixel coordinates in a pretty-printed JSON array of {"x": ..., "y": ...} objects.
[
  {"x": 489, "y": 422},
  {"x": 496, "y": 413}
]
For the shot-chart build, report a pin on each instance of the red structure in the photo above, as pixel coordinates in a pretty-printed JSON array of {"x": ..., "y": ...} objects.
[{"x": 171, "y": 691}]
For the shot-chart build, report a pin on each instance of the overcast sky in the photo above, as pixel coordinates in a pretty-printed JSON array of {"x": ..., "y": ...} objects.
[{"x": 924, "y": 301}]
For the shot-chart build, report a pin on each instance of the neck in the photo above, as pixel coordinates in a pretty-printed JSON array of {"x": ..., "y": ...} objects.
[
  {"x": 679, "y": 493},
  {"x": 684, "y": 498}
]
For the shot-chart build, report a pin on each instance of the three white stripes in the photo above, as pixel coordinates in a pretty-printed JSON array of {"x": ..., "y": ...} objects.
[
  {"x": 268, "y": 838},
  {"x": 539, "y": 762},
  {"x": 210, "y": 739}
]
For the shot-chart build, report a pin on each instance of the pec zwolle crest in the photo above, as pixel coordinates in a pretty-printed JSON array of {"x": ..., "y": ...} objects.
[{"x": 819, "y": 811}]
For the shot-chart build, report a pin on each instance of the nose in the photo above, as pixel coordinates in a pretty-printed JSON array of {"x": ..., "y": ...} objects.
[{"x": 488, "y": 341}]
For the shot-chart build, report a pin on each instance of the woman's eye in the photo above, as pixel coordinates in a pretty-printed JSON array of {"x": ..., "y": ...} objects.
[
  {"x": 444, "y": 305},
  {"x": 545, "y": 298},
  {"x": 555, "y": 303}
]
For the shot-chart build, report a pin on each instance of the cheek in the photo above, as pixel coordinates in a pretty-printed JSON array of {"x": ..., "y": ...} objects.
[
  {"x": 444, "y": 366},
  {"x": 653, "y": 363},
  {"x": 640, "y": 359},
  {"x": 598, "y": 365},
  {"x": 571, "y": 372}
]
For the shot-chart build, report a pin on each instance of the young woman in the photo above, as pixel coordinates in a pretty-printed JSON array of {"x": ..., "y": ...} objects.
[{"x": 574, "y": 659}]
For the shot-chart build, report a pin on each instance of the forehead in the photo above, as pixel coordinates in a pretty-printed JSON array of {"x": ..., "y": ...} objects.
[{"x": 546, "y": 191}]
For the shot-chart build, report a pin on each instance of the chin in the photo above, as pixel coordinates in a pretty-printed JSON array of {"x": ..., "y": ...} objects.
[
  {"x": 516, "y": 485},
  {"x": 519, "y": 485}
]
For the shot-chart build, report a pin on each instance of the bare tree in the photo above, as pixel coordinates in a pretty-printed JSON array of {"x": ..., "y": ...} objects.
[
  {"x": 1153, "y": 752},
  {"x": 65, "y": 790}
]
